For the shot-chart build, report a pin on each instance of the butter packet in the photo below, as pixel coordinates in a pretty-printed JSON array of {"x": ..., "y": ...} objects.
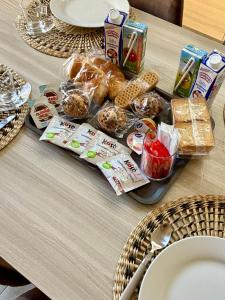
[
  {"x": 102, "y": 147},
  {"x": 42, "y": 112},
  {"x": 81, "y": 138},
  {"x": 122, "y": 173},
  {"x": 59, "y": 131}
]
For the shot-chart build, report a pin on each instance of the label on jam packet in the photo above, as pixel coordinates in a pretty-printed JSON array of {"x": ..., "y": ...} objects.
[
  {"x": 135, "y": 141},
  {"x": 59, "y": 131},
  {"x": 102, "y": 147},
  {"x": 81, "y": 138},
  {"x": 53, "y": 94},
  {"x": 122, "y": 173},
  {"x": 42, "y": 112}
]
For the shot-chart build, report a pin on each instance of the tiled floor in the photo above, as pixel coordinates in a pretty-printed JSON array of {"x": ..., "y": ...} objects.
[{"x": 10, "y": 293}]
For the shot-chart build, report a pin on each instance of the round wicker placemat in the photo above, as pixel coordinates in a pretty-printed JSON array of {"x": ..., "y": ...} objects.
[
  {"x": 188, "y": 216},
  {"x": 8, "y": 132},
  {"x": 63, "y": 39}
]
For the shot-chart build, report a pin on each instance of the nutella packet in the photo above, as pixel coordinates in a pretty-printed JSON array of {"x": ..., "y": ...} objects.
[
  {"x": 81, "y": 138},
  {"x": 168, "y": 135},
  {"x": 42, "y": 112},
  {"x": 59, "y": 131},
  {"x": 122, "y": 173},
  {"x": 53, "y": 94},
  {"x": 102, "y": 147}
]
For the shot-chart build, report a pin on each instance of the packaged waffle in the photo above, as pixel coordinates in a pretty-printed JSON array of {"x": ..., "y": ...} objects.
[
  {"x": 122, "y": 173},
  {"x": 79, "y": 141},
  {"x": 191, "y": 118},
  {"x": 102, "y": 147},
  {"x": 135, "y": 88},
  {"x": 114, "y": 120},
  {"x": 59, "y": 131}
]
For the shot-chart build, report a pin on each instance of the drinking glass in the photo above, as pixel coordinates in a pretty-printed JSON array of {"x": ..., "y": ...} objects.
[
  {"x": 156, "y": 167},
  {"x": 37, "y": 17},
  {"x": 8, "y": 92}
]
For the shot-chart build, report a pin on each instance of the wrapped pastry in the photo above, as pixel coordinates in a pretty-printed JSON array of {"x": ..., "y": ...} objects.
[
  {"x": 94, "y": 82},
  {"x": 148, "y": 105},
  {"x": 76, "y": 104},
  {"x": 114, "y": 120}
]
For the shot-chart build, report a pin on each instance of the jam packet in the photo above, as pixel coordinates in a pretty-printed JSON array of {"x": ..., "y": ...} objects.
[
  {"x": 59, "y": 132},
  {"x": 42, "y": 112},
  {"x": 53, "y": 94},
  {"x": 122, "y": 173},
  {"x": 102, "y": 147},
  {"x": 81, "y": 138}
]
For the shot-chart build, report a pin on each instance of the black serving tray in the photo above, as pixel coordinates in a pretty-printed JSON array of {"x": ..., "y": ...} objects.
[{"x": 153, "y": 191}]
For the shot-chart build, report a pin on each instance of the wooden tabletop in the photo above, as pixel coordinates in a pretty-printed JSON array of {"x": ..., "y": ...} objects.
[{"x": 61, "y": 224}]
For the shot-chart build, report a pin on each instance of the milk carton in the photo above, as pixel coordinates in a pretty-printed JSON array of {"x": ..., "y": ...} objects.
[
  {"x": 210, "y": 76},
  {"x": 190, "y": 60},
  {"x": 113, "y": 35},
  {"x": 134, "y": 44}
]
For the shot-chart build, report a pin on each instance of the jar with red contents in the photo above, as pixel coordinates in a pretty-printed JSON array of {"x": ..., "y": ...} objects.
[{"x": 156, "y": 161}]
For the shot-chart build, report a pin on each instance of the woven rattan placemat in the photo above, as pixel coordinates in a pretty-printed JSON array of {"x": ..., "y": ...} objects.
[
  {"x": 8, "y": 132},
  {"x": 189, "y": 216},
  {"x": 63, "y": 39}
]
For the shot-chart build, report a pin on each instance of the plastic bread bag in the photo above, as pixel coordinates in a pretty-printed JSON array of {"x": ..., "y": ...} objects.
[
  {"x": 149, "y": 105},
  {"x": 79, "y": 141},
  {"x": 59, "y": 131},
  {"x": 94, "y": 82},
  {"x": 102, "y": 147},
  {"x": 113, "y": 120},
  {"x": 192, "y": 119},
  {"x": 73, "y": 64},
  {"x": 122, "y": 173}
]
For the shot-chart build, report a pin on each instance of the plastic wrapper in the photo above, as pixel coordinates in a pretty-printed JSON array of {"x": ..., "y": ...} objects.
[
  {"x": 191, "y": 118},
  {"x": 122, "y": 173},
  {"x": 114, "y": 120},
  {"x": 101, "y": 77},
  {"x": 79, "y": 141},
  {"x": 148, "y": 105},
  {"x": 59, "y": 131},
  {"x": 102, "y": 147},
  {"x": 146, "y": 82}
]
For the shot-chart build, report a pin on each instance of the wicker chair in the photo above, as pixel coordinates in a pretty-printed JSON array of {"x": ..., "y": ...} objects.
[{"x": 169, "y": 10}]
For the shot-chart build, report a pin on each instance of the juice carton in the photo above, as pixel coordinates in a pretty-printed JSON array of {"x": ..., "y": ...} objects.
[
  {"x": 134, "y": 44},
  {"x": 113, "y": 35},
  {"x": 210, "y": 76},
  {"x": 190, "y": 60}
]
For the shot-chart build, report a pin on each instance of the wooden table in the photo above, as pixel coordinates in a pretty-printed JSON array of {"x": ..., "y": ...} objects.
[
  {"x": 61, "y": 225},
  {"x": 205, "y": 16}
]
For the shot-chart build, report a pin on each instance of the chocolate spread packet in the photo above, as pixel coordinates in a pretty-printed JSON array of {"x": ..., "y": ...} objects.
[{"x": 42, "y": 112}]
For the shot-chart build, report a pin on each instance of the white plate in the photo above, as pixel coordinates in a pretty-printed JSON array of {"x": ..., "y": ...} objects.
[
  {"x": 191, "y": 269},
  {"x": 86, "y": 13}
]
